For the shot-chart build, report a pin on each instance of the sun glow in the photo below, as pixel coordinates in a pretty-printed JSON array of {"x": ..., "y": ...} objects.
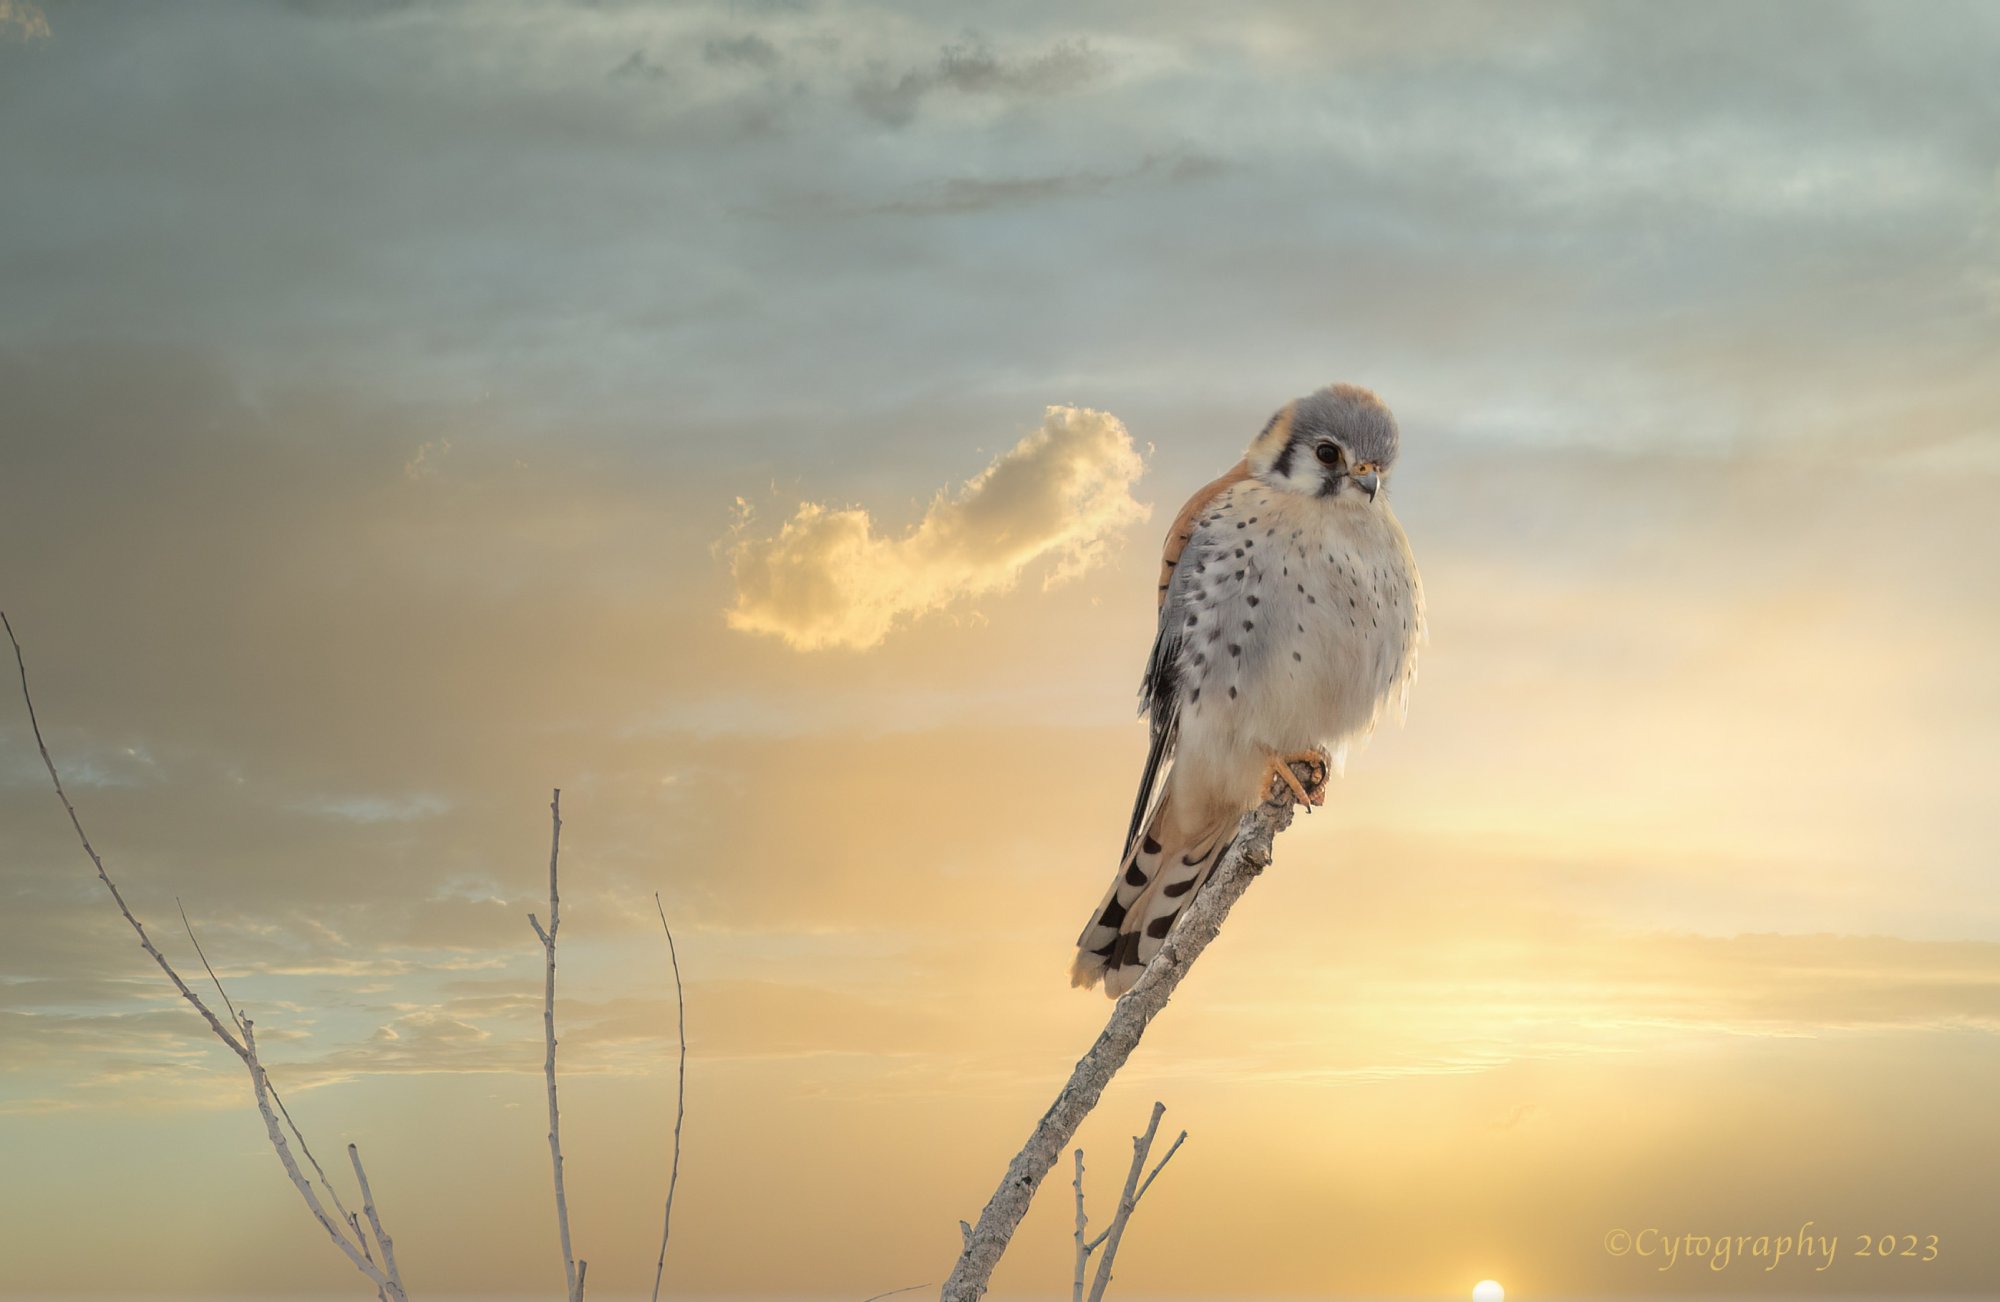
[{"x": 1488, "y": 1290}]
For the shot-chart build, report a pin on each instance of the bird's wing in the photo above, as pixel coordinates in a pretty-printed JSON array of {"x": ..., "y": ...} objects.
[
  {"x": 1159, "y": 689},
  {"x": 1186, "y": 522}
]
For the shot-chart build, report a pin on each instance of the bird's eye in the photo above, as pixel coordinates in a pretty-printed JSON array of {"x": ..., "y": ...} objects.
[{"x": 1328, "y": 454}]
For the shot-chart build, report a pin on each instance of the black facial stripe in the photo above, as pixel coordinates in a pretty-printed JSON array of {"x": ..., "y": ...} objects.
[{"x": 1283, "y": 465}]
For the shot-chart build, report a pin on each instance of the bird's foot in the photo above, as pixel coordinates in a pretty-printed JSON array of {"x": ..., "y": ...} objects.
[{"x": 1302, "y": 776}]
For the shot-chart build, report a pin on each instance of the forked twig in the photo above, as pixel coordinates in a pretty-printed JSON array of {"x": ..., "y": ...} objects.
[
  {"x": 355, "y": 1222},
  {"x": 1109, "y": 1238},
  {"x": 277, "y": 1098},
  {"x": 1249, "y": 854},
  {"x": 572, "y": 1269},
  {"x": 242, "y": 1041},
  {"x": 1128, "y": 1202},
  {"x": 382, "y": 1238}
]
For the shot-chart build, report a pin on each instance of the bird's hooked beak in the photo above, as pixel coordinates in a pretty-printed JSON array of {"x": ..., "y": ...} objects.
[{"x": 1367, "y": 483}]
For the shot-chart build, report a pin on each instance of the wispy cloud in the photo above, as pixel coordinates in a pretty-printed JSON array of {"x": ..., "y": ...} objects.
[
  {"x": 968, "y": 194},
  {"x": 748, "y": 49},
  {"x": 975, "y": 69},
  {"x": 827, "y": 578},
  {"x": 377, "y": 809},
  {"x": 637, "y": 66}
]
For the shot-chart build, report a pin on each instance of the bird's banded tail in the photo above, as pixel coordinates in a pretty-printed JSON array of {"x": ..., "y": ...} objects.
[{"x": 1163, "y": 869}]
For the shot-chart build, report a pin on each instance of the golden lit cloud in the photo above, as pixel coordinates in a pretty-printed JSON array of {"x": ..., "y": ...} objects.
[{"x": 827, "y": 578}]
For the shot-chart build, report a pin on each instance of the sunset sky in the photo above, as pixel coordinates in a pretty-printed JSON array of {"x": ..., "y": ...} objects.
[{"x": 758, "y": 419}]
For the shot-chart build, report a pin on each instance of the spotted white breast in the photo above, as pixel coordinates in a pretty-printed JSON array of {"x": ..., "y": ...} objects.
[{"x": 1298, "y": 619}]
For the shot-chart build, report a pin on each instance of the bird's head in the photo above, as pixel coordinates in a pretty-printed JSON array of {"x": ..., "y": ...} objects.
[{"x": 1338, "y": 442}]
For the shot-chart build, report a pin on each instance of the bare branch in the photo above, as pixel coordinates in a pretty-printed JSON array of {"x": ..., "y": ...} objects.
[
  {"x": 1127, "y": 1202},
  {"x": 277, "y": 1098},
  {"x": 354, "y": 1222},
  {"x": 234, "y": 1016},
  {"x": 245, "y": 1048},
  {"x": 1248, "y": 856},
  {"x": 261, "y": 1083},
  {"x": 572, "y": 1277},
  {"x": 1175, "y": 1147},
  {"x": 318, "y": 1170},
  {"x": 907, "y": 1288},
  {"x": 388, "y": 1245},
  {"x": 680, "y": 1099},
  {"x": 1083, "y": 1250},
  {"x": 214, "y": 1022}
]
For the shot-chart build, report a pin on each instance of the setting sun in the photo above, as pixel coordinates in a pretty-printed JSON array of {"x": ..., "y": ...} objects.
[{"x": 1488, "y": 1290}]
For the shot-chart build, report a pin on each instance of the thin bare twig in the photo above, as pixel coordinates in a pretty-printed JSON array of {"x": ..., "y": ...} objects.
[
  {"x": 245, "y": 1047},
  {"x": 1248, "y": 856},
  {"x": 1173, "y": 1148},
  {"x": 907, "y": 1288},
  {"x": 261, "y": 1083},
  {"x": 680, "y": 1098},
  {"x": 188, "y": 927},
  {"x": 1082, "y": 1249},
  {"x": 305, "y": 1148},
  {"x": 572, "y": 1276},
  {"x": 277, "y": 1098},
  {"x": 355, "y": 1221},
  {"x": 381, "y": 1295},
  {"x": 214, "y": 1022},
  {"x": 1128, "y": 1202},
  {"x": 382, "y": 1238}
]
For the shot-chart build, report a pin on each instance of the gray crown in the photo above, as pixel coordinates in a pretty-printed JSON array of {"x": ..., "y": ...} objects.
[{"x": 1352, "y": 417}]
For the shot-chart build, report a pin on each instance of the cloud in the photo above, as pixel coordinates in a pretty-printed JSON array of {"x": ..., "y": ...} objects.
[
  {"x": 377, "y": 809},
  {"x": 424, "y": 464},
  {"x": 750, "y": 49},
  {"x": 353, "y": 10},
  {"x": 969, "y": 194},
  {"x": 974, "y": 69},
  {"x": 22, "y": 20},
  {"x": 828, "y": 579},
  {"x": 636, "y": 66}
]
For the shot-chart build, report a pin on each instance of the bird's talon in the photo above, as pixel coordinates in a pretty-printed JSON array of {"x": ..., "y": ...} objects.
[{"x": 1283, "y": 779}]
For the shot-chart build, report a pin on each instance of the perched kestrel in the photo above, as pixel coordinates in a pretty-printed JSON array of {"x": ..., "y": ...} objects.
[{"x": 1290, "y": 611}]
